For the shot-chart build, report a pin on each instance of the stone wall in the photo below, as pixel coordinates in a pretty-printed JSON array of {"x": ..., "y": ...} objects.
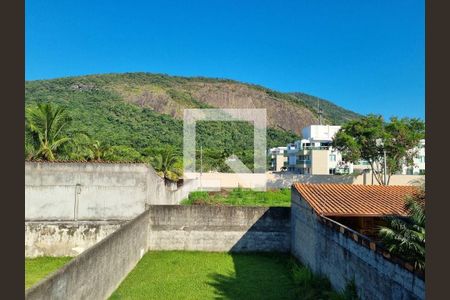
[
  {"x": 98, "y": 271},
  {"x": 224, "y": 228},
  {"x": 343, "y": 255},
  {"x": 95, "y": 191}
]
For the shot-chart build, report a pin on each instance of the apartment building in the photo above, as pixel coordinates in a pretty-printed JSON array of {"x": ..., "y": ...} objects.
[
  {"x": 314, "y": 154},
  {"x": 278, "y": 160}
]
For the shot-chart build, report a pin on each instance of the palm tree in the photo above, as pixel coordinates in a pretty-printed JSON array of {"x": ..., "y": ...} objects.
[
  {"x": 405, "y": 237},
  {"x": 46, "y": 123},
  {"x": 98, "y": 150},
  {"x": 167, "y": 164}
]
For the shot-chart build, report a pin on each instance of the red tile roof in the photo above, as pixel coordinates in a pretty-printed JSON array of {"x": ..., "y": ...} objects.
[{"x": 355, "y": 200}]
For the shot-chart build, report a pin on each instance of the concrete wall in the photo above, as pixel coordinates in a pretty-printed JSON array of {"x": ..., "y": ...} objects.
[
  {"x": 97, "y": 272},
  {"x": 214, "y": 180},
  {"x": 95, "y": 191},
  {"x": 214, "y": 228},
  {"x": 65, "y": 238},
  {"x": 342, "y": 255}
]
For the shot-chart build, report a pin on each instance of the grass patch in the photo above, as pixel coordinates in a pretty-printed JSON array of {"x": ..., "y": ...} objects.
[
  {"x": 241, "y": 197},
  {"x": 39, "y": 267},
  {"x": 206, "y": 275}
]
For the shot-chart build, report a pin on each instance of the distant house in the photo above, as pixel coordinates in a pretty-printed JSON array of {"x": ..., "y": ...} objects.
[
  {"x": 278, "y": 160},
  {"x": 359, "y": 207},
  {"x": 314, "y": 155}
]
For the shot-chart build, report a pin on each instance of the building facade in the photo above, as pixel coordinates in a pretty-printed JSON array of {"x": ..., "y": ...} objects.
[
  {"x": 278, "y": 160},
  {"x": 418, "y": 167},
  {"x": 314, "y": 154}
]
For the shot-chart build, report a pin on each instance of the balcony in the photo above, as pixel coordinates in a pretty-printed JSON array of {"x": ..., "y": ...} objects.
[{"x": 316, "y": 147}]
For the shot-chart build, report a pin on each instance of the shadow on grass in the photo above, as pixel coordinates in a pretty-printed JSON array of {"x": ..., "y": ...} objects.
[
  {"x": 268, "y": 275},
  {"x": 257, "y": 276}
]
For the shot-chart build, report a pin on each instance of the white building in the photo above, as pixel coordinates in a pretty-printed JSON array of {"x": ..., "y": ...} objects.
[
  {"x": 419, "y": 161},
  {"x": 314, "y": 154}
]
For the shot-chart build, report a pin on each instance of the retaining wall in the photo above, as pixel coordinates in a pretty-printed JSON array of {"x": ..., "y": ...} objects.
[
  {"x": 97, "y": 272},
  {"x": 219, "y": 228},
  {"x": 65, "y": 238},
  {"x": 342, "y": 257},
  {"x": 95, "y": 191}
]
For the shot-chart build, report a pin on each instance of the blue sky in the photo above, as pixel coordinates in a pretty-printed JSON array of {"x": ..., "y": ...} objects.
[{"x": 367, "y": 56}]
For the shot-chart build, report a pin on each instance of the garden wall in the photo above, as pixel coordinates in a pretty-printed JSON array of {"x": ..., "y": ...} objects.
[
  {"x": 342, "y": 255},
  {"x": 98, "y": 271},
  {"x": 214, "y": 180},
  {"x": 66, "y": 238},
  {"x": 219, "y": 228},
  {"x": 95, "y": 191}
]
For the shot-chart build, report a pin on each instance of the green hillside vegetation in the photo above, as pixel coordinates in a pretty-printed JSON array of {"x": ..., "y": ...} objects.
[
  {"x": 332, "y": 113},
  {"x": 136, "y": 116}
]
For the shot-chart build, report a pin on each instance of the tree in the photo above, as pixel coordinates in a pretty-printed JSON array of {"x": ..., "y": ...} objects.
[
  {"x": 98, "y": 150},
  {"x": 167, "y": 164},
  {"x": 45, "y": 124},
  {"x": 78, "y": 148},
  {"x": 122, "y": 153},
  {"x": 367, "y": 139},
  {"x": 405, "y": 237}
]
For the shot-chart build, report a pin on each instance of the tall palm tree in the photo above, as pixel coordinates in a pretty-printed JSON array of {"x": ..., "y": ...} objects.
[
  {"x": 167, "y": 164},
  {"x": 46, "y": 123},
  {"x": 405, "y": 237}
]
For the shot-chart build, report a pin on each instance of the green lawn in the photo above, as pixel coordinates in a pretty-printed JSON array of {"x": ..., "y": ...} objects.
[
  {"x": 276, "y": 197},
  {"x": 39, "y": 267},
  {"x": 205, "y": 275}
]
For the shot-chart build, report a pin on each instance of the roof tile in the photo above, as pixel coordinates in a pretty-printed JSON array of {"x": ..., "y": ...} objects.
[{"x": 356, "y": 200}]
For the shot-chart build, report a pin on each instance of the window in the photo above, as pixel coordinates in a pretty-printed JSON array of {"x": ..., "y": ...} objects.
[
  {"x": 303, "y": 157},
  {"x": 332, "y": 157}
]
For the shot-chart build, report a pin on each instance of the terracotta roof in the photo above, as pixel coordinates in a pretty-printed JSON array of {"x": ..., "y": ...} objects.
[{"x": 355, "y": 200}]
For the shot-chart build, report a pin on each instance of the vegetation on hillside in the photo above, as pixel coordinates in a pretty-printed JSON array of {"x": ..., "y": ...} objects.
[
  {"x": 119, "y": 130},
  {"x": 135, "y": 116},
  {"x": 333, "y": 114},
  {"x": 405, "y": 237}
]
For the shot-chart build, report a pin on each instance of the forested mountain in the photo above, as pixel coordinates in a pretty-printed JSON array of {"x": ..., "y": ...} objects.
[{"x": 144, "y": 111}]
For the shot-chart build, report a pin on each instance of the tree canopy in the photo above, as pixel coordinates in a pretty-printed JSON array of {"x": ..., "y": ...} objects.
[{"x": 368, "y": 138}]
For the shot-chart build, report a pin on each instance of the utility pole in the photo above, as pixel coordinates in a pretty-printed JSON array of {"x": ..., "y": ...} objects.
[
  {"x": 319, "y": 112},
  {"x": 385, "y": 165},
  {"x": 201, "y": 166}
]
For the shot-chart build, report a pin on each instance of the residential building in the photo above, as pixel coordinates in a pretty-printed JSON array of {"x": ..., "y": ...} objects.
[
  {"x": 314, "y": 154},
  {"x": 278, "y": 160},
  {"x": 362, "y": 208},
  {"x": 418, "y": 167}
]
